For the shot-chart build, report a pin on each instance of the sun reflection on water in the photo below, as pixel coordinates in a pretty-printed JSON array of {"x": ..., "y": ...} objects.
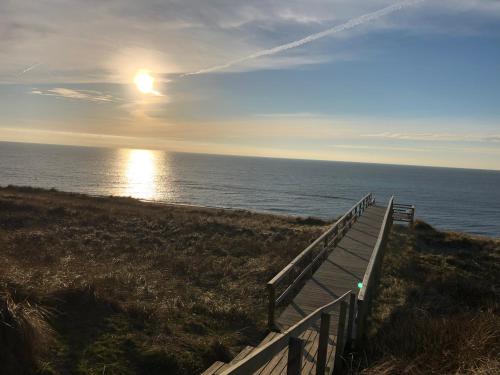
[{"x": 141, "y": 172}]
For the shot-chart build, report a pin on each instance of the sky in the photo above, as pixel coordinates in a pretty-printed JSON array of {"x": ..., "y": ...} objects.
[{"x": 383, "y": 81}]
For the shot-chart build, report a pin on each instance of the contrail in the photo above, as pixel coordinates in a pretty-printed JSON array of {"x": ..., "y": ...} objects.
[
  {"x": 308, "y": 39},
  {"x": 31, "y": 67}
]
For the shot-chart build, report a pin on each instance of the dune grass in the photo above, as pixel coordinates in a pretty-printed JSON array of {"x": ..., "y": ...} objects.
[
  {"x": 116, "y": 286},
  {"x": 437, "y": 307}
]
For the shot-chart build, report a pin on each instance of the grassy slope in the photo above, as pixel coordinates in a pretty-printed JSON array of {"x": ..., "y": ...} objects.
[
  {"x": 131, "y": 287},
  {"x": 437, "y": 309}
]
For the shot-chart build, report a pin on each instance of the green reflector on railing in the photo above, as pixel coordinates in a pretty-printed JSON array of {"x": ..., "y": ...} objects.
[{"x": 360, "y": 285}]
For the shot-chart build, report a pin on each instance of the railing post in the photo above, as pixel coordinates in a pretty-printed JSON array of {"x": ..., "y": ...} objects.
[
  {"x": 272, "y": 298},
  {"x": 359, "y": 323},
  {"x": 339, "y": 350},
  {"x": 324, "y": 335},
  {"x": 294, "y": 365},
  {"x": 350, "y": 320},
  {"x": 310, "y": 259},
  {"x": 336, "y": 233}
]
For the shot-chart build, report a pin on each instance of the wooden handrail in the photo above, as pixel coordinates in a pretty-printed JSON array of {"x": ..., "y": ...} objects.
[
  {"x": 351, "y": 318},
  {"x": 376, "y": 251},
  {"x": 329, "y": 237},
  {"x": 403, "y": 213},
  {"x": 264, "y": 354},
  {"x": 363, "y": 306},
  {"x": 276, "y": 279}
]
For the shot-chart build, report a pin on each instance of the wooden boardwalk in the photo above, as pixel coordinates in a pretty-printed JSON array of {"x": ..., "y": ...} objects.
[
  {"x": 279, "y": 363},
  {"x": 342, "y": 271}
]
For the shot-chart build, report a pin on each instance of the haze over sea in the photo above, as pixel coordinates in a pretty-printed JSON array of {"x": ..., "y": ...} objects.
[{"x": 450, "y": 199}]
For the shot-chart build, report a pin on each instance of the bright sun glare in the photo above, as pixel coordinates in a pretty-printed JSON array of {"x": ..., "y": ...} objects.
[{"x": 144, "y": 82}]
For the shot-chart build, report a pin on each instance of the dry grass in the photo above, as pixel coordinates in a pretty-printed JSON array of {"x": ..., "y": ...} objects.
[
  {"x": 136, "y": 287},
  {"x": 24, "y": 333},
  {"x": 437, "y": 308}
]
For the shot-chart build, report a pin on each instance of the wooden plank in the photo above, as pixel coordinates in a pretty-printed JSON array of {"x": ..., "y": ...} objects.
[
  {"x": 323, "y": 343},
  {"x": 268, "y": 338},
  {"x": 340, "y": 339},
  {"x": 341, "y": 271},
  {"x": 265, "y": 353},
  {"x": 294, "y": 363},
  {"x": 215, "y": 368},
  {"x": 245, "y": 351},
  {"x": 276, "y": 279},
  {"x": 310, "y": 357},
  {"x": 376, "y": 251},
  {"x": 278, "y": 364},
  {"x": 331, "y": 355}
]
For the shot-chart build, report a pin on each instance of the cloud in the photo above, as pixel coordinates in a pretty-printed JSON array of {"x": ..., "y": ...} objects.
[
  {"x": 291, "y": 115},
  {"x": 436, "y": 137},
  {"x": 89, "y": 95},
  {"x": 29, "y": 68},
  {"x": 381, "y": 148},
  {"x": 95, "y": 43},
  {"x": 355, "y": 22}
]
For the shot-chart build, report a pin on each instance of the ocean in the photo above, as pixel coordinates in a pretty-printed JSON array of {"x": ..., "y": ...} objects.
[{"x": 449, "y": 199}]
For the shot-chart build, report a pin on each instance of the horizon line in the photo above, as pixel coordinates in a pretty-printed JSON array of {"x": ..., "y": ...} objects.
[{"x": 250, "y": 156}]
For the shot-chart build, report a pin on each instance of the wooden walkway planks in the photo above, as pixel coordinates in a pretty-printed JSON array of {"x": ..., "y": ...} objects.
[
  {"x": 278, "y": 364},
  {"x": 311, "y": 337},
  {"x": 340, "y": 272}
]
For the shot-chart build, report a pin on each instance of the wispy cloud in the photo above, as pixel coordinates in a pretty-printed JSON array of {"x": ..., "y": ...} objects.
[
  {"x": 301, "y": 115},
  {"x": 381, "y": 148},
  {"x": 31, "y": 67},
  {"x": 89, "y": 95},
  {"x": 175, "y": 37},
  {"x": 358, "y": 21},
  {"x": 436, "y": 137}
]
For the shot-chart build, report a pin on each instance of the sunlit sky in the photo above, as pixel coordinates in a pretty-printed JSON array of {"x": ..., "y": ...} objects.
[{"x": 417, "y": 84}]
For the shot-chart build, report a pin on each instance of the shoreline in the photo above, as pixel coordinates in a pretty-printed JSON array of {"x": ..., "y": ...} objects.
[
  {"x": 228, "y": 209},
  {"x": 174, "y": 204}
]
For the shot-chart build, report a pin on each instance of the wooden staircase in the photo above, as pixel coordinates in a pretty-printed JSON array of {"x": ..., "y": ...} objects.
[
  {"x": 279, "y": 363},
  {"x": 326, "y": 316}
]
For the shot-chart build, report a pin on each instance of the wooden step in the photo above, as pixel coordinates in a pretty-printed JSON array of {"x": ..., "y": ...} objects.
[
  {"x": 244, "y": 352},
  {"x": 216, "y": 368},
  {"x": 271, "y": 335}
]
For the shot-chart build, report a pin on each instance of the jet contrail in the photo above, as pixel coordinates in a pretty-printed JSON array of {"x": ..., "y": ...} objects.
[
  {"x": 334, "y": 30},
  {"x": 31, "y": 67}
]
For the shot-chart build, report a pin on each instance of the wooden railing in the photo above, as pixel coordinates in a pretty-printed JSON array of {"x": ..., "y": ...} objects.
[
  {"x": 404, "y": 213},
  {"x": 262, "y": 355},
  {"x": 372, "y": 273},
  {"x": 282, "y": 285},
  {"x": 353, "y": 311}
]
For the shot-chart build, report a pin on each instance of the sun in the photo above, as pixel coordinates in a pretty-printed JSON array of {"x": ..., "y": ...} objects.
[{"x": 144, "y": 82}]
